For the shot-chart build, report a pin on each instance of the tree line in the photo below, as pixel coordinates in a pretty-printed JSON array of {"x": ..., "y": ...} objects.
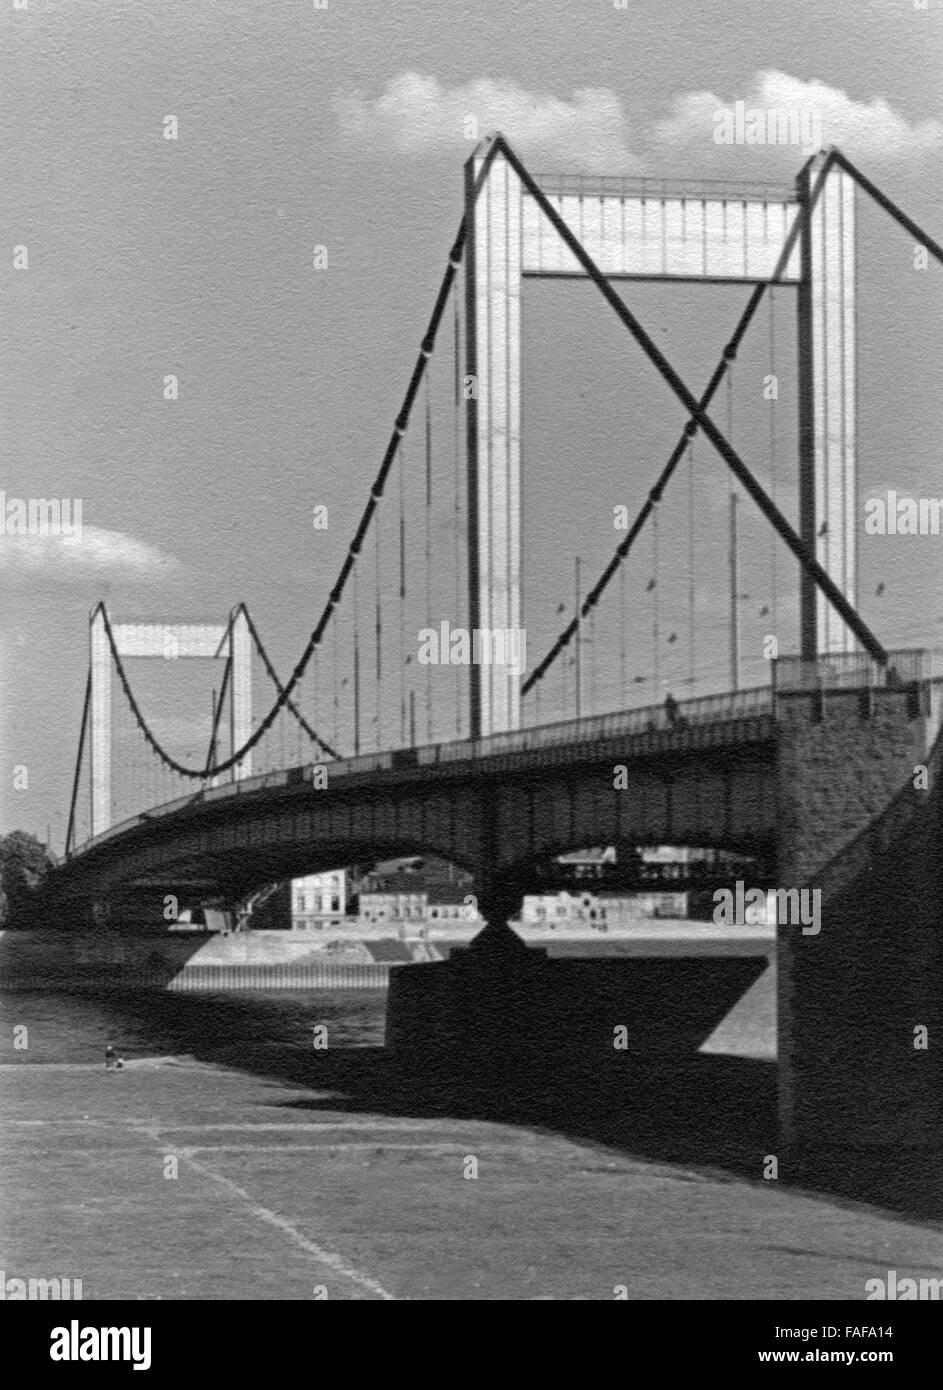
[{"x": 24, "y": 864}]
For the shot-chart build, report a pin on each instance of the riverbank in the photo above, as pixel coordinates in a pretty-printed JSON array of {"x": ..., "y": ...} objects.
[
  {"x": 194, "y": 961},
  {"x": 278, "y": 960},
  {"x": 230, "y": 1160}
]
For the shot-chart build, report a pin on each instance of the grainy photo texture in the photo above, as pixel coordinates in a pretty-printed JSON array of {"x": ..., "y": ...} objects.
[{"x": 471, "y": 544}]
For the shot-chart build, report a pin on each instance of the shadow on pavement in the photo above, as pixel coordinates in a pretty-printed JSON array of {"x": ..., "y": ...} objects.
[
  {"x": 702, "y": 1111},
  {"x": 705, "y": 1112}
]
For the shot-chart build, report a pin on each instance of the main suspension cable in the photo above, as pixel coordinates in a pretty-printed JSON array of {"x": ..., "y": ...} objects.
[{"x": 336, "y": 593}]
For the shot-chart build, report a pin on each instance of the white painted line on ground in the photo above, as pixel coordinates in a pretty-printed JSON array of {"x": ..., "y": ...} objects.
[
  {"x": 308, "y": 1128},
  {"x": 271, "y": 1218},
  {"x": 434, "y": 1147},
  {"x": 146, "y": 1124}
]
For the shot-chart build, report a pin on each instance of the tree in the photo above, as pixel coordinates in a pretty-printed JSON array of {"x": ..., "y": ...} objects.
[{"x": 24, "y": 864}]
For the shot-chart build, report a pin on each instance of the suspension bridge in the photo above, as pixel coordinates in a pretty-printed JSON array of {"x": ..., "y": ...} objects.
[{"x": 633, "y": 725}]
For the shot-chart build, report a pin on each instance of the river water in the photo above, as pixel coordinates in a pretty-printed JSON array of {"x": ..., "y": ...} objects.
[{"x": 76, "y": 1027}]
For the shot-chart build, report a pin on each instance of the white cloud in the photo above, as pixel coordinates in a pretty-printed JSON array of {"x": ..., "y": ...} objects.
[
  {"x": 870, "y": 130},
  {"x": 415, "y": 114},
  {"x": 590, "y": 131},
  {"x": 100, "y": 552}
]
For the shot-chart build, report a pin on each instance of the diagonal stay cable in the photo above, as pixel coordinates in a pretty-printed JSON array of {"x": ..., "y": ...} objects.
[
  {"x": 697, "y": 418},
  {"x": 735, "y": 463},
  {"x": 690, "y": 429},
  {"x": 834, "y": 157},
  {"x": 883, "y": 201}
]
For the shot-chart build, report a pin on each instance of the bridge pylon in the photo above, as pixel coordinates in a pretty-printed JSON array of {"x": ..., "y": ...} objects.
[
  {"x": 656, "y": 230},
  {"x": 168, "y": 641}
]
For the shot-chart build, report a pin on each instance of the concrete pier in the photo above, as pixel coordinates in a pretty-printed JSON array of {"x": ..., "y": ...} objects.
[{"x": 487, "y": 1011}]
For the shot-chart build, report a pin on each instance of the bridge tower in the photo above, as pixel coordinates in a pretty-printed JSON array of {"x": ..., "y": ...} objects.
[
  {"x": 169, "y": 642},
  {"x": 653, "y": 229}
]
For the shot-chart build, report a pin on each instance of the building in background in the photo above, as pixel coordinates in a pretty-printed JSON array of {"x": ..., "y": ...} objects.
[
  {"x": 452, "y": 905},
  {"x": 410, "y": 896},
  {"x": 601, "y": 912},
  {"x": 319, "y": 900},
  {"x": 399, "y": 898},
  {"x": 595, "y": 888},
  {"x": 605, "y": 890},
  {"x": 311, "y": 903},
  {"x": 393, "y": 901},
  {"x": 592, "y": 864}
]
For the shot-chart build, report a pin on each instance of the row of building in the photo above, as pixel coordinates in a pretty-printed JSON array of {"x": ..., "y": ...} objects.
[{"x": 415, "y": 896}]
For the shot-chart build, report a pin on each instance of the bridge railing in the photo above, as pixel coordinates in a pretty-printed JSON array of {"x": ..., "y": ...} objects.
[
  {"x": 707, "y": 709},
  {"x": 851, "y": 670},
  {"x": 618, "y": 186},
  {"x": 855, "y": 670}
]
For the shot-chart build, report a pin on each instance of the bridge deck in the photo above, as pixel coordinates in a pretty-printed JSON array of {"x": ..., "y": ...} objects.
[{"x": 744, "y": 716}]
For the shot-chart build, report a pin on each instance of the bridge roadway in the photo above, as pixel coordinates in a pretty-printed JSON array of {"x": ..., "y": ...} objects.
[{"x": 497, "y": 805}]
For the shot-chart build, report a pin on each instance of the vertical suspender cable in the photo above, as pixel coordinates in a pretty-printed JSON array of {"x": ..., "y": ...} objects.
[
  {"x": 734, "y": 557},
  {"x": 622, "y": 689},
  {"x": 772, "y": 452},
  {"x": 656, "y": 654},
  {"x": 592, "y": 661},
  {"x": 578, "y": 657},
  {"x": 457, "y": 506},
  {"x": 378, "y": 623},
  {"x": 402, "y": 601},
  {"x": 315, "y": 662},
  {"x": 356, "y": 620},
  {"x": 692, "y": 636},
  {"x": 335, "y": 739},
  {"x": 428, "y": 615}
]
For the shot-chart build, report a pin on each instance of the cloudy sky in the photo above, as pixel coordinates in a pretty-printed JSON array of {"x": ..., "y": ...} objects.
[{"x": 346, "y": 127}]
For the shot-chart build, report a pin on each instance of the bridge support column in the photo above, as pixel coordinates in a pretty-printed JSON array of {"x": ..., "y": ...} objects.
[
  {"x": 828, "y": 464},
  {"x": 168, "y": 641},
  {"x": 472, "y": 1015},
  {"x": 240, "y": 652},
  {"x": 475, "y": 1013},
  {"x": 498, "y": 903},
  {"x": 100, "y": 707},
  {"x": 861, "y": 1001},
  {"x": 499, "y": 1009},
  {"x": 493, "y": 361}
]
